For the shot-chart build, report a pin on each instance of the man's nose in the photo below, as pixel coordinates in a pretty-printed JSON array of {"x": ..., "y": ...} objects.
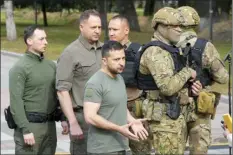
[
  {"x": 122, "y": 62},
  {"x": 178, "y": 28},
  {"x": 97, "y": 30},
  {"x": 46, "y": 42},
  {"x": 110, "y": 33}
]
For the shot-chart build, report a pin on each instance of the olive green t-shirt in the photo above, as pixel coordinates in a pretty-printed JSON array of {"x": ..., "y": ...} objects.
[{"x": 110, "y": 93}]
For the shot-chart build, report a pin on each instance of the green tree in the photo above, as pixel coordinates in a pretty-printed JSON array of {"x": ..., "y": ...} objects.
[
  {"x": 10, "y": 23},
  {"x": 126, "y": 8}
]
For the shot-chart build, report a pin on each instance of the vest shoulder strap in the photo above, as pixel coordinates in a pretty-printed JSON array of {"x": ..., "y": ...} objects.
[
  {"x": 199, "y": 45},
  {"x": 133, "y": 47},
  {"x": 169, "y": 48}
]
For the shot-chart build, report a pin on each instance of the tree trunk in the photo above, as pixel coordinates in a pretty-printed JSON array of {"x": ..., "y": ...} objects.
[
  {"x": 182, "y": 3},
  {"x": 224, "y": 6},
  {"x": 126, "y": 8},
  {"x": 102, "y": 8},
  {"x": 10, "y": 23},
  {"x": 158, "y": 5},
  {"x": 149, "y": 7},
  {"x": 103, "y": 12},
  {"x": 199, "y": 5},
  {"x": 44, "y": 13}
]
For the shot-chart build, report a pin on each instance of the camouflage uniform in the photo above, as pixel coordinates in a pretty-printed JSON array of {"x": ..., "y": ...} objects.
[
  {"x": 134, "y": 97},
  {"x": 167, "y": 135},
  {"x": 141, "y": 147},
  {"x": 199, "y": 125}
]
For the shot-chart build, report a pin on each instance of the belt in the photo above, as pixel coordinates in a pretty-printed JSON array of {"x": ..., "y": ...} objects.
[
  {"x": 160, "y": 100},
  {"x": 156, "y": 99},
  {"x": 78, "y": 109},
  {"x": 35, "y": 117}
]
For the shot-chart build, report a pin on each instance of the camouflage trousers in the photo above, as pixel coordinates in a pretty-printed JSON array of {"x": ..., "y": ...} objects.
[
  {"x": 168, "y": 136},
  {"x": 198, "y": 131},
  {"x": 142, "y": 147},
  {"x": 79, "y": 146}
]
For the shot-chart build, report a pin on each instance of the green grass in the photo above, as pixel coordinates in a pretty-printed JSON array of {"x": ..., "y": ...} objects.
[{"x": 63, "y": 30}]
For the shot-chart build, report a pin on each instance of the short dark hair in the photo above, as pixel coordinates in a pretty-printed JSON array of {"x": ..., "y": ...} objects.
[
  {"x": 29, "y": 31},
  {"x": 122, "y": 18},
  {"x": 86, "y": 14},
  {"x": 109, "y": 46}
]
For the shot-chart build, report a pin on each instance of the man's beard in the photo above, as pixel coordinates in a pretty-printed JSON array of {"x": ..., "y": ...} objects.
[{"x": 113, "y": 71}]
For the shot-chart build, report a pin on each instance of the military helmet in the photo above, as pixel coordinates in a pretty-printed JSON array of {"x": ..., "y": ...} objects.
[
  {"x": 167, "y": 16},
  {"x": 191, "y": 17}
]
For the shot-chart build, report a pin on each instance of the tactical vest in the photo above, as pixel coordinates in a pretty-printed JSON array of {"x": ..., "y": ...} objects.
[
  {"x": 195, "y": 59},
  {"x": 129, "y": 72},
  {"x": 146, "y": 82}
]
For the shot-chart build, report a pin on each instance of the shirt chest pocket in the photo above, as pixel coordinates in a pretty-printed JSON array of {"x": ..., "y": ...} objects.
[{"x": 85, "y": 68}]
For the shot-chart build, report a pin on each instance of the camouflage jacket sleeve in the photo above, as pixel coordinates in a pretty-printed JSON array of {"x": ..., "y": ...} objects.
[
  {"x": 17, "y": 78},
  {"x": 161, "y": 66},
  {"x": 211, "y": 60}
]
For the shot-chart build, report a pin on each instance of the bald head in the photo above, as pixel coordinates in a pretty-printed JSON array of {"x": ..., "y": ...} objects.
[
  {"x": 118, "y": 29},
  {"x": 122, "y": 18}
]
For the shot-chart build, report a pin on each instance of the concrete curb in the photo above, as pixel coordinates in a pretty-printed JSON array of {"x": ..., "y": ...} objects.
[
  {"x": 13, "y": 54},
  {"x": 57, "y": 153},
  {"x": 4, "y": 52}
]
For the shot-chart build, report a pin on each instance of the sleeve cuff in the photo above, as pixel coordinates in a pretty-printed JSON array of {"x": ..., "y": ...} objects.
[
  {"x": 25, "y": 130},
  {"x": 188, "y": 71},
  {"x": 63, "y": 85}
]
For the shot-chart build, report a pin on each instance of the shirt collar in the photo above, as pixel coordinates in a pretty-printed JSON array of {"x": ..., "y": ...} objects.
[
  {"x": 35, "y": 55},
  {"x": 157, "y": 37},
  {"x": 126, "y": 45},
  {"x": 89, "y": 46}
]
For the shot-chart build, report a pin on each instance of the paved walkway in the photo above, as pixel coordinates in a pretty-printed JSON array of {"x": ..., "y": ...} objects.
[{"x": 7, "y": 144}]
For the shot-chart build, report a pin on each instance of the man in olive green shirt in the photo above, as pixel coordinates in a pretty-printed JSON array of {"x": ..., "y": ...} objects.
[
  {"x": 118, "y": 30},
  {"x": 33, "y": 97},
  {"x": 78, "y": 62},
  {"x": 105, "y": 106}
]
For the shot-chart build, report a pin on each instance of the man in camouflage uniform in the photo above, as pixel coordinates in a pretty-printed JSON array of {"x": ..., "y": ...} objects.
[
  {"x": 199, "y": 127},
  {"x": 118, "y": 30},
  {"x": 168, "y": 135}
]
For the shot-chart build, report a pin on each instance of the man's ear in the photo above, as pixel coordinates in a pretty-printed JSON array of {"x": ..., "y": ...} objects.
[
  {"x": 126, "y": 30},
  {"x": 104, "y": 60},
  {"x": 29, "y": 41},
  {"x": 81, "y": 27}
]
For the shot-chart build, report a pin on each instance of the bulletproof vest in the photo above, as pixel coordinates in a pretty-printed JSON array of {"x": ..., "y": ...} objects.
[
  {"x": 129, "y": 72},
  {"x": 146, "y": 82},
  {"x": 195, "y": 61}
]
